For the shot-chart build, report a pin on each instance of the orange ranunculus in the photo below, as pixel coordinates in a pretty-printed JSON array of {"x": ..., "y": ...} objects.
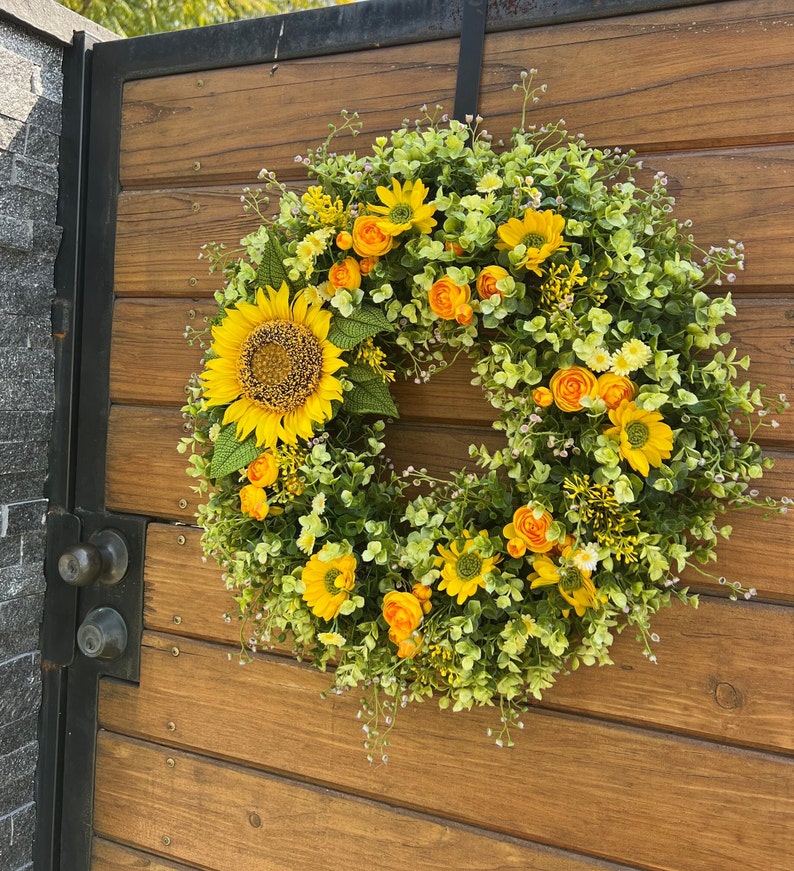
[
  {"x": 367, "y": 265},
  {"x": 486, "y": 281},
  {"x": 530, "y": 529},
  {"x": 516, "y": 547},
  {"x": 423, "y": 593},
  {"x": 346, "y": 274},
  {"x": 403, "y": 613},
  {"x": 569, "y": 386},
  {"x": 263, "y": 471},
  {"x": 344, "y": 241},
  {"x": 542, "y": 396},
  {"x": 465, "y": 314},
  {"x": 253, "y": 502},
  {"x": 454, "y": 247},
  {"x": 613, "y": 389},
  {"x": 369, "y": 240},
  {"x": 408, "y": 647},
  {"x": 449, "y": 300}
]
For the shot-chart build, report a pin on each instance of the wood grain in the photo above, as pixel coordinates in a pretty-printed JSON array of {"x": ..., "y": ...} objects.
[
  {"x": 710, "y": 76},
  {"x": 107, "y": 856},
  {"x": 639, "y": 780},
  {"x": 225, "y": 125},
  {"x": 224, "y": 816},
  {"x": 712, "y": 679}
]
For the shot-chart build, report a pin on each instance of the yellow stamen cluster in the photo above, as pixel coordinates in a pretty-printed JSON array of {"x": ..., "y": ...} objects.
[
  {"x": 374, "y": 357},
  {"x": 441, "y": 659},
  {"x": 322, "y": 210},
  {"x": 612, "y": 524},
  {"x": 557, "y": 290},
  {"x": 289, "y": 458}
]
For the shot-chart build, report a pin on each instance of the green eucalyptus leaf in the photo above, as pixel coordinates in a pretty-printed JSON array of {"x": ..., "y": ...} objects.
[
  {"x": 348, "y": 332},
  {"x": 229, "y": 454}
]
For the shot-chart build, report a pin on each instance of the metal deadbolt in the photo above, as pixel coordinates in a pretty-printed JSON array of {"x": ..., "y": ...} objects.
[
  {"x": 103, "y": 634},
  {"x": 104, "y": 558}
]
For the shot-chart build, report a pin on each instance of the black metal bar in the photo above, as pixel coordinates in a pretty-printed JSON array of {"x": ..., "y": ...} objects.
[
  {"x": 472, "y": 46},
  {"x": 60, "y": 605}
]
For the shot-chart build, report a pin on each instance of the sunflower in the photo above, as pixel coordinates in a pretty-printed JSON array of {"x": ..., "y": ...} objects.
[
  {"x": 463, "y": 569},
  {"x": 645, "y": 440},
  {"x": 404, "y": 208},
  {"x": 539, "y": 232},
  {"x": 328, "y": 582},
  {"x": 574, "y": 583},
  {"x": 275, "y": 366}
]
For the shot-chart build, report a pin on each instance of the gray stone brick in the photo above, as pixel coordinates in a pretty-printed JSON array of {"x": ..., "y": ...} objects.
[
  {"x": 23, "y": 485},
  {"x": 17, "y": 733},
  {"x": 46, "y": 114},
  {"x": 28, "y": 363},
  {"x": 16, "y": 777},
  {"x": 25, "y": 331},
  {"x": 16, "y": 838},
  {"x": 24, "y": 426},
  {"x": 13, "y": 134},
  {"x": 34, "y": 546},
  {"x": 10, "y": 551},
  {"x": 34, "y": 174},
  {"x": 44, "y": 54},
  {"x": 21, "y": 580},
  {"x": 20, "y": 679},
  {"x": 16, "y": 233},
  {"x": 20, "y": 620},
  {"x": 21, "y": 517},
  {"x": 18, "y": 458},
  {"x": 26, "y": 394},
  {"x": 42, "y": 145},
  {"x": 37, "y": 206}
]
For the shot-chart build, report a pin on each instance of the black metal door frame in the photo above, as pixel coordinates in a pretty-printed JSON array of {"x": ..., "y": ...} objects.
[{"x": 94, "y": 77}]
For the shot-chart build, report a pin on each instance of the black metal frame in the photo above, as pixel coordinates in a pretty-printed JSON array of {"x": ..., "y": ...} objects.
[{"x": 84, "y": 307}]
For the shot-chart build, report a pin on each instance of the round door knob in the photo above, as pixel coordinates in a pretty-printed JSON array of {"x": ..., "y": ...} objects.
[
  {"x": 102, "y": 558},
  {"x": 103, "y": 634},
  {"x": 80, "y": 564}
]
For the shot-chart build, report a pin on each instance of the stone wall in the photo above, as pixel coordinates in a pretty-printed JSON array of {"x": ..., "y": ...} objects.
[{"x": 33, "y": 37}]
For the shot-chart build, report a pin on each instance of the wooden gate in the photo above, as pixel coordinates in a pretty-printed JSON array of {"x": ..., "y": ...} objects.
[{"x": 205, "y": 764}]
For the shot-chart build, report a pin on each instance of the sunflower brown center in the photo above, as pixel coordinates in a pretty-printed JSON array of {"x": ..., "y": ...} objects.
[
  {"x": 468, "y": 566},
  {"x": 534, "y": 240},
  {"x": 280, "y": 365},
  {"x": 637, "y": 433}
]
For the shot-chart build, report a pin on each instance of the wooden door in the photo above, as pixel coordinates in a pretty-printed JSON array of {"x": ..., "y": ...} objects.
[{"x": 683, "y": 765}]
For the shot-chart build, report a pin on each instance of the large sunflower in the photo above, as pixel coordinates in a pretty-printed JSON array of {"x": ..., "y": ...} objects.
[
  {"x": 645, "y": 440},
  {"x": 539, "y": 232},
  {"x": 275, "y": 366},
  {"x": 404, "y": 207}
]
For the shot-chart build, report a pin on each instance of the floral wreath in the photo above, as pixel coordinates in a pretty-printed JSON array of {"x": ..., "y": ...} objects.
[{"x": 577, "y": 299}]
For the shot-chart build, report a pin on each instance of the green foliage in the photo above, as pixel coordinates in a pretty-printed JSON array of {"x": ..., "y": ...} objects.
[{"x": 139, "y": 17}]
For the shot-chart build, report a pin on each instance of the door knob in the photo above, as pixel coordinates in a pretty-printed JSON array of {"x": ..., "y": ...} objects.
[
  {"x": 102, "y": 558},
  {"x": 103, "y": 634}
]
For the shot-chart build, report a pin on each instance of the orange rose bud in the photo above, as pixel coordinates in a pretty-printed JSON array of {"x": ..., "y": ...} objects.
[
  {"x": 446, "y": 298},
  {"x": 486, "y": 281},
  {"x": 464, "y": 314},
  {"x": 367, "y": 264},
  {"x": 516, "y": 547},
  {"x": 569, "y": 386},
  {"x": 542, "y": 396},
  {"x": 344, "y": 241},
  {"x": 403, "y": 613},
  {"x": 253, "y": 502},
  {"x": 423, "y": 594},
  {"x": 346, "y": 274},
  {"x": 530, "y": 529},
  {"x": 613, "y": 389},
  {"x": 454, "y": 247},
  {"x": 263, "y": 471},
  {"x": 369, "y": 240},
  {"x": 409, "y": 647}
]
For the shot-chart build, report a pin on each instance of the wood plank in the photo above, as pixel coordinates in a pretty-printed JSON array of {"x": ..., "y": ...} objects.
[
  {"x": 639, "y": 780},
  {"x": 707, "y": 76},
  {"x": 107, "y": 856},
  {"x": 225, "y": 125},
  {"x": 223, "y": 816},
  {"x": 744, "y": 193},
  {"x": 736, "y": 693},
  {"x": 151, "y": 362}
]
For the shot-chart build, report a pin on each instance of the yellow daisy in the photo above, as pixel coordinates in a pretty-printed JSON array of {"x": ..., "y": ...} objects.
[
  {"x": 275, "y": 366},
  {"x": 404, "y": 208},
  {"x": 574, "y": 583},
  {"x": 463, "y": 569},
  {"x": 328, "y": 583},
  {"x": 645, "y": 440},
  {"x": 539, "y": 232}
]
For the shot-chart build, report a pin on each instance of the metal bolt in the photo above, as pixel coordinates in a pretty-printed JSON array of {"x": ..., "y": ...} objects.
[
  {"x": 180, "y": 539},
  {"x": 174, "y": 651},
  {"x": 200, "y": 83},
  {"x": 255, "y": 819},
  {"x": 170, "y": 762},
  {"x": 195, "y": 206},
  {"x": 196, "y": 165},
  {"x": 171, "y": 726},
  {"x": 191, "y": 314},
  {"x": 182, "y": 503},
  {"x": 166, "y": 841},
  {"x": 192, "y": 281},
  {"x": 177, "y": 619}
]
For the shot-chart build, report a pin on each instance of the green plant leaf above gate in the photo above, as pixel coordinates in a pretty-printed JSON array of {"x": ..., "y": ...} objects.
[
  {"x": 229, "y": 454},
  {"x": 347, "y": 332}
]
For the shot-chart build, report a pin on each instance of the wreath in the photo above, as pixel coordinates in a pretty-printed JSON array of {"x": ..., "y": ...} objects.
[{"x": 579, "y": 301}]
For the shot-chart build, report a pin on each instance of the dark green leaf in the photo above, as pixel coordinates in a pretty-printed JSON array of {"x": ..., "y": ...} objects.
[
  {"x": 229, "y": 454},
  {"x": 346, "y": 333},
  {"x": 271, "y": 272},
  {"x": 371, "y": 397}
]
